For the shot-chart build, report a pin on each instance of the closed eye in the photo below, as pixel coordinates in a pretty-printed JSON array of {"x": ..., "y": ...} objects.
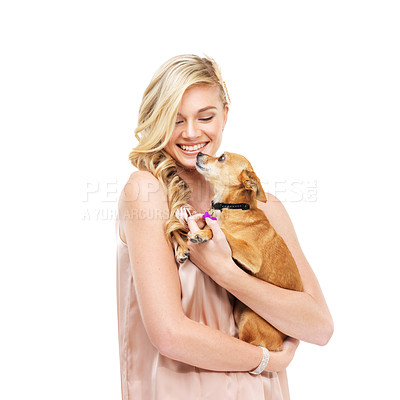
[
  {"x": 207, "y": 119},
  {"x": 200, "y": 119}
]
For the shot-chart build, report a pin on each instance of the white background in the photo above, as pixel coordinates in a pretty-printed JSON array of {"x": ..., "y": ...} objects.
[{"x": 315, "y": 107}]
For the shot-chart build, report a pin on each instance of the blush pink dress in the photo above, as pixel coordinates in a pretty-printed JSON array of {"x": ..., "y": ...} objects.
[{"x": 147, "y": 375}]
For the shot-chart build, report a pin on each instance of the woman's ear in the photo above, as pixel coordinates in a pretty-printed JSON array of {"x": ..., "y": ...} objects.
[
  {"x": 225, "y": 116},
  {"x": 251, "y": 182}
]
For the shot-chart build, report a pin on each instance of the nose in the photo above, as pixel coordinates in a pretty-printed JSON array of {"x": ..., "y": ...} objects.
[
  {"x": 191, "y": 132},
  {"x": 199, "y": 155}
]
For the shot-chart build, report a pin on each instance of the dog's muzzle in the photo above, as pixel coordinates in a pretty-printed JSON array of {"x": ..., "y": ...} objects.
[{"x": 198, "y": 161}]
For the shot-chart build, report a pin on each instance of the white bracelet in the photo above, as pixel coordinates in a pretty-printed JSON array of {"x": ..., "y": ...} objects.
[{"x": 263, "y": 362}]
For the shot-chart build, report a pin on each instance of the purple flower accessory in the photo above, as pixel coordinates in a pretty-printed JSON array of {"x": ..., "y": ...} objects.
[{"x": 207, "y": 215}]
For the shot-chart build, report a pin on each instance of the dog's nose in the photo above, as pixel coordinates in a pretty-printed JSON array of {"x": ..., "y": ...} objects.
[{"x": 199, "y": 155}]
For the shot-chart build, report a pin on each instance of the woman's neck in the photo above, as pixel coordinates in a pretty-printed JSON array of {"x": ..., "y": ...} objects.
[{"x": 202, "y": 191}]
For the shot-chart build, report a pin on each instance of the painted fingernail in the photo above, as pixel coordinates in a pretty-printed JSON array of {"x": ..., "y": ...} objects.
[{"x": 207, "y": 215}]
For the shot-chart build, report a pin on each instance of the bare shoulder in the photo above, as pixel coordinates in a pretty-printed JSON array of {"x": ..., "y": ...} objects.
[
  {"x": 142, "y": 190},
  {"x": 142, "y": 185},
  {"x": 273, "y": 207},
  {"x": 279, "y": 218},
  {"x": 142, "y": 203}
]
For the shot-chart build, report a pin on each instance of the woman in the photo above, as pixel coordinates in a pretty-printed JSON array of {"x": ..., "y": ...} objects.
[{"x": 177, "y": 336}]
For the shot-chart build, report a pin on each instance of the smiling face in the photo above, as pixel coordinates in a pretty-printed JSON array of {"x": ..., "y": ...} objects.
[{"x": 199, "y": 124}]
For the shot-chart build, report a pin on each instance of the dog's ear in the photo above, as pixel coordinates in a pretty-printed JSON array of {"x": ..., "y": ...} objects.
[{"x": 250, "y": 181}]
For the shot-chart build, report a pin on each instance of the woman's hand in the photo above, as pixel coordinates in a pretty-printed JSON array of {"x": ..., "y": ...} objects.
[
  {"x": 214, "y": 257},
  {"x": 279, "y": 360}
]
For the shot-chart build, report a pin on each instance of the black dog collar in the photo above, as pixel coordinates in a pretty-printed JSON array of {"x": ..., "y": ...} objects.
[{"x": 221, "y": 206}]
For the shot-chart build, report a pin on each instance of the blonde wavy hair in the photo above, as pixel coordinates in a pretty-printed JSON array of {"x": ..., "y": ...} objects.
[{"x": 156, "y": 122}]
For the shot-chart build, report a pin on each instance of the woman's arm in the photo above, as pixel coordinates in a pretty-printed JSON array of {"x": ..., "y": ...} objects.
[
  {"x": 303, "y": 315},
  {"x": 143, "y": 212}
]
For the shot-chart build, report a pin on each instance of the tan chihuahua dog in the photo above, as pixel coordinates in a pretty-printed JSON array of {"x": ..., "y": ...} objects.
[{"x": 256, "y": 247}]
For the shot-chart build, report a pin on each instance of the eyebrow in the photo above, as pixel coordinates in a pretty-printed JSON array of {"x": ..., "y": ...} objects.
[{"x": 202, "y": 109}]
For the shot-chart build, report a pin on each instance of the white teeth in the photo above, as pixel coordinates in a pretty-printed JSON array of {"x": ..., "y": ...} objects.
[{"x": 193, "y": 148}]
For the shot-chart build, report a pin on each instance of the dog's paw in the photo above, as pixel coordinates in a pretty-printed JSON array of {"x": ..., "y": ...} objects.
[
  {"x": 182, "y": 259},
  {"x": 181, "y": 255},
  {"x": 196, "y": 238}
]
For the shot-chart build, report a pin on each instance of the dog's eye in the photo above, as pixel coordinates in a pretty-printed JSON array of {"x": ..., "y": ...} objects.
[{"x": 222, "y": 158}]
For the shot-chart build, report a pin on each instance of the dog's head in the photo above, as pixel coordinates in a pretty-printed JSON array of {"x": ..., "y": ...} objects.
[{"x": 230, "y": 173}]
